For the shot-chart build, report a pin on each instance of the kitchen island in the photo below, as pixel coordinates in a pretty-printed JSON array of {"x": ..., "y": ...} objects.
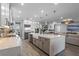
[
  {"x": 10, "y": 46},
  {"x": 49, "y": 43}
]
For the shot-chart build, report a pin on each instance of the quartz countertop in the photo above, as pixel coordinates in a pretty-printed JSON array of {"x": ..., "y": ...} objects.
[{"x": 35, "y": 35}]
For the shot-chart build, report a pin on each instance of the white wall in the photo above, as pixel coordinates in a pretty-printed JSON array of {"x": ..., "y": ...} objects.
[
  {"x": 0, "y": 14},
  {"x": 4, "y": 13}
]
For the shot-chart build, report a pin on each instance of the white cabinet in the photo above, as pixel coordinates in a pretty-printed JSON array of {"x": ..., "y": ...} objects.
[
  {"x": 35, "y": 41},
  {"x": 60, "y": 28}
]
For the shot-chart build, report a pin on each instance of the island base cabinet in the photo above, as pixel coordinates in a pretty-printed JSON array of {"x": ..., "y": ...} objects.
[
  {"x": 35, "y": 41},
  {"x": 59, "y": 44},
  {"x": 50, "y": 45},
  {"x": 46, "y": 45},
  {"x": 40, "y": 43}
]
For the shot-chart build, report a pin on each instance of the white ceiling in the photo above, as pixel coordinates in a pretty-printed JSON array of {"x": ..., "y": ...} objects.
[{"x": 65, "y": 10}]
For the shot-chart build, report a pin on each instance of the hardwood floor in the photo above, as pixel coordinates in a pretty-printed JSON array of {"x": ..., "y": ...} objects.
[
  {"x": 71, "y": 50},
  {"x": 30, "y": 50}
]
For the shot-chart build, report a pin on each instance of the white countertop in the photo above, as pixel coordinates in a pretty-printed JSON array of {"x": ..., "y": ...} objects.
[
  {"x": 35, "y": 35},
  {"x": 10, "y": 42}
]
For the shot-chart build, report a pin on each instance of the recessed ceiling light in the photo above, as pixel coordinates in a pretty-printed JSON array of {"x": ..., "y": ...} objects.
[
  {"x": 2, "y": 7},
  {"x": 20, "y": 12},
  {"x": 61, "y": 17},
  {"x": 22, "y": 4},
  {"x": 55, "y": 3},
  {"x": 42, "y": 11}
]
